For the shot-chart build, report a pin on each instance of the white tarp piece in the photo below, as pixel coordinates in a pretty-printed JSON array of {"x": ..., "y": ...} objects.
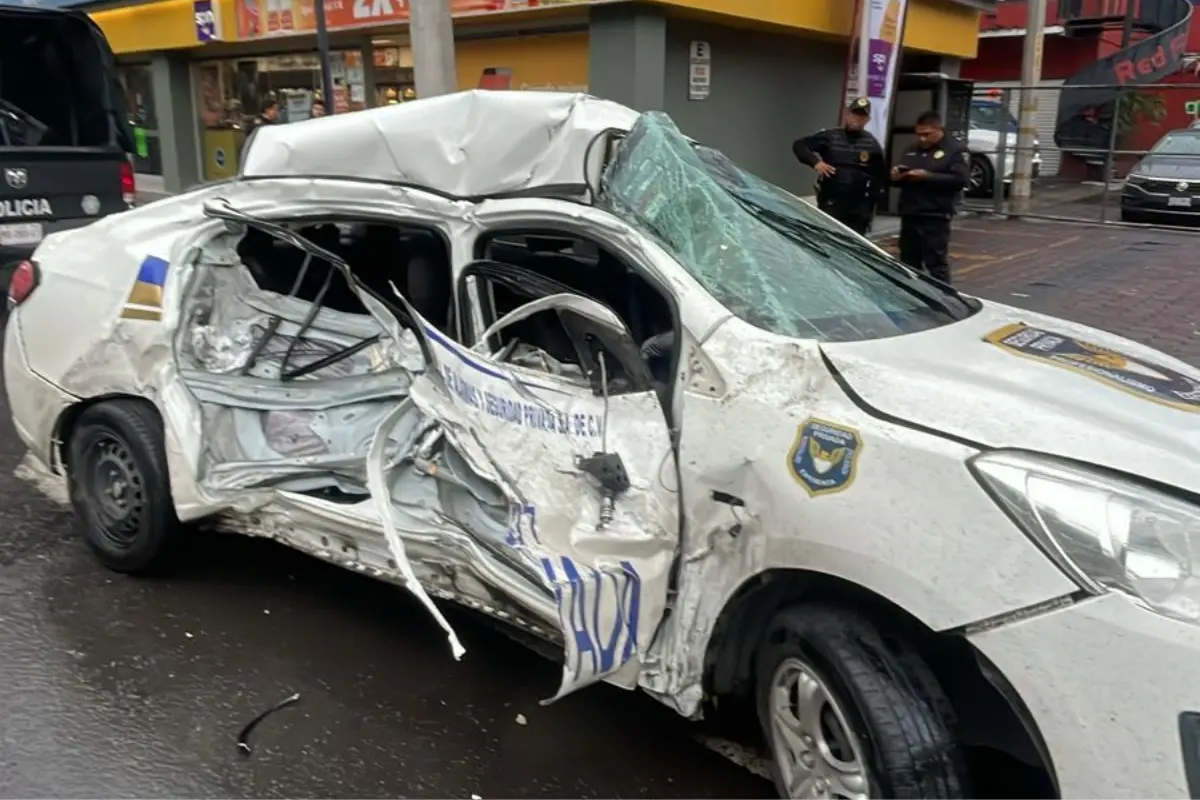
[{"x": 513, "y": 142}]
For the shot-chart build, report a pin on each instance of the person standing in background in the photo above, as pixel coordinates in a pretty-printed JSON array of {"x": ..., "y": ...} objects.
[
  {"x": 268, "y": 115},
  {"x": 317, "y": 109},
  {"x": 931, "y": 176},
  {"x": 851, "y": 172}
]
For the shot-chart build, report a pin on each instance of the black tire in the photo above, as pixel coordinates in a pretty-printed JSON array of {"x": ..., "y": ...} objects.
[
  {"x": 889, "y": 699},
  {"x": 988, "y": 180},
  {"x": 116, "y": 446}
]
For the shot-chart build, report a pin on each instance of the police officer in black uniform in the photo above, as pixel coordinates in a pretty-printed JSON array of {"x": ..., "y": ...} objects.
[
  {"x": 852, "y": 175},
  {"x": 931, "y": 176}
]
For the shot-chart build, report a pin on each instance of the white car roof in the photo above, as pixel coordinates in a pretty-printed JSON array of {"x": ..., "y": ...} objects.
[{"x": 469, "y": 144}]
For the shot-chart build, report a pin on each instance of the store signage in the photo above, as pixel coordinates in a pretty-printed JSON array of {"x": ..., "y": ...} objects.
[
  {"x": 880, "y": 33},
  {"x": 208, "y": 27},
  {"x": 259, "y": 18}
]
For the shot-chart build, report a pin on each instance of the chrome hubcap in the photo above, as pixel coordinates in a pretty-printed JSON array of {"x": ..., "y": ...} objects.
[{"x": 817, "y": 754}]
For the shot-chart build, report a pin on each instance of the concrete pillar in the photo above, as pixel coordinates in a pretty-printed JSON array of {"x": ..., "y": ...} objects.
[
  {"x": 178, "y": 126},
  {"x": 627, "y": 55}
]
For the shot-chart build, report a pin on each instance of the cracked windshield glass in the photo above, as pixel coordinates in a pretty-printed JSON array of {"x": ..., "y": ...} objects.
[{"x": 766, "y": 255}]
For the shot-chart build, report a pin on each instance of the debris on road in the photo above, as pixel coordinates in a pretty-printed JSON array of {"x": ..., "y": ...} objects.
[
  {"x": 521, "y": 719},
  {"x": 243, "y": 744}
]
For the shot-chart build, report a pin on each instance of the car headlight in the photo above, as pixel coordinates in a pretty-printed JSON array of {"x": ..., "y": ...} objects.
[
  {"x": 1107, "y": 533},
  {"x": 1134, "y": 178}
]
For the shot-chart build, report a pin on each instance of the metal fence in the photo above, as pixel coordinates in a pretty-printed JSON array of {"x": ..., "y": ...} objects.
[{"x": 1105, "y": 154}]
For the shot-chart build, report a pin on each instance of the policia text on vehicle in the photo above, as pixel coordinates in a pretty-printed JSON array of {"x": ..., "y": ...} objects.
[
  {"x": 931, "y": 175},
  {"x": 852, "y": 174}
]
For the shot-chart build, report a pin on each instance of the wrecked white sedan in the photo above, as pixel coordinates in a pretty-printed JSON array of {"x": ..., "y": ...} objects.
[{"x": 542, "y": 356}]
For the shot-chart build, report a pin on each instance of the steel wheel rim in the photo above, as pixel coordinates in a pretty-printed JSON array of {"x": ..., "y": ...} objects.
[
  {"x": 817, "y": 753},
  {"x": 115, "y": 491}
]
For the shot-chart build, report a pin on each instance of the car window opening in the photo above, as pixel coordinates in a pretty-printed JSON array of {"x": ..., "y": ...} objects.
[
  {"x": 51, "y": 94},
  {"x": 590, "y": 270},
  {"x": 308, "y": 435}
]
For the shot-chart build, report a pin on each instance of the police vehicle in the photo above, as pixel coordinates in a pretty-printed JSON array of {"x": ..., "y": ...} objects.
[
  {"x": 64, "y": 136},
  {"x": 935, "y": 543}
]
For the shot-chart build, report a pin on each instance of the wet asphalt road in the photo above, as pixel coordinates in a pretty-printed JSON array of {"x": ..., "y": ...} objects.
[{"x": 121, "y": 687}]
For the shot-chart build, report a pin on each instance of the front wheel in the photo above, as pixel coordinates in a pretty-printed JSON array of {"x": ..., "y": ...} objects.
[
  {"x": 119, "y": 486},
  {"x": 982, "y": 176},
  {"x": 848, "y": 714}
]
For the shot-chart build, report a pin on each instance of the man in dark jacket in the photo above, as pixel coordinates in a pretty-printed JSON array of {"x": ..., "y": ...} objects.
[
  {"x": 931, "y": 175},
  {"x": 852, "y": 175},
  {"x": 269, "y": 115}
]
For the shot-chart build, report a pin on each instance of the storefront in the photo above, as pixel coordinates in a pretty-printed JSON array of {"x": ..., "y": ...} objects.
[{"x": 198, "y": 71}]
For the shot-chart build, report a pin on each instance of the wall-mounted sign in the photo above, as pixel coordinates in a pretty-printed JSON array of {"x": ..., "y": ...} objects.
[
  {"x": 208, "y": 21},
  {"x": 699, "y": 71},
  {"x": 259, "y": 18}
]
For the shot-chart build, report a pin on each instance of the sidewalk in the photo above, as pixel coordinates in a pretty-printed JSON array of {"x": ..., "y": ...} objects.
[{"x": 150, "y": 188}]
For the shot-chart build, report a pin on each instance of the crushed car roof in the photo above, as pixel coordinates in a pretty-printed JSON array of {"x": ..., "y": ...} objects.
[{"x": 469, "y": 144}]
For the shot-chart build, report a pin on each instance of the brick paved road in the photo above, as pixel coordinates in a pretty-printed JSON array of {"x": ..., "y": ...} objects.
[{"x": 1136, "y": 282}]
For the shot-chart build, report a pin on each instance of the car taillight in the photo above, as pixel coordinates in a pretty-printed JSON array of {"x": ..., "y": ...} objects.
[
  {"x": 24, "y": 281},
  {"x": 128, "y": 184}
]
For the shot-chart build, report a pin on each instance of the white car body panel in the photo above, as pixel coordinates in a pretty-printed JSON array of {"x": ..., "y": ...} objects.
[
  {"x": 739, "y": 490},
  {"x": 1104, "y": 662},
  {"x": 987, "y": 143}
]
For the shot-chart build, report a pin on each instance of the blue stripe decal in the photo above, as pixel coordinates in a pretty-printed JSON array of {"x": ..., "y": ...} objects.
[
  {"x": 153, "y": 271},
  {"x": 436, "y": 336}
]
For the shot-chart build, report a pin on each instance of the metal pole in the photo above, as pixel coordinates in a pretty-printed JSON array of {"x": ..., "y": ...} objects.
[
  {"x": 323, "y": 54},
  {"x": 1127, "y": 31},
  {"x": 1108, "y": 158},
  {"x": 864, "y": 50},
  {"x": 1001, "y": 154},
  {"x": 431, "y": 28},
  {"x": 1031, "y": 77}
]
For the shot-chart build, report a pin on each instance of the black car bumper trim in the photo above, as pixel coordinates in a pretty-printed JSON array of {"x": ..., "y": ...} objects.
[{"x": 1189, "y": 738}]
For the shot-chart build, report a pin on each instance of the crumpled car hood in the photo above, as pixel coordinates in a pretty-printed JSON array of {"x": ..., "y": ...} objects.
[{"x": 1011, "y": 378}]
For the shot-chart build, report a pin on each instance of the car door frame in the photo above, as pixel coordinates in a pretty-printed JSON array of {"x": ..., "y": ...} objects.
[{"x": 545, "y": 215}]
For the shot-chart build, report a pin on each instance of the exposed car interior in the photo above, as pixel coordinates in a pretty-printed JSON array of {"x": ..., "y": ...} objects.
[
  {"x": 417, "y": 261},
  {"x": 53, "y": 92},
  {"x": 587, "y": 269}
]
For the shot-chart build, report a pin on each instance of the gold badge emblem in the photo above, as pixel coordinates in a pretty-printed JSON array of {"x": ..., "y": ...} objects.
[
  {"x": 864, "y": 156},
  {"x": 939, "y": 154}
]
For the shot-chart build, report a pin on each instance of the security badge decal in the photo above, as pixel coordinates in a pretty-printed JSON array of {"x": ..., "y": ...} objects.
[
  {"x": 1144, "y": 379},
  {"x": 824, "y": 457},
  {"x": 864, "y": 156},
  {"x": 939, "y": 155}
]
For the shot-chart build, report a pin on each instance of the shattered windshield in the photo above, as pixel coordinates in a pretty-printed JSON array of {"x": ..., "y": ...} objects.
[{"x": 769, "y": 257}]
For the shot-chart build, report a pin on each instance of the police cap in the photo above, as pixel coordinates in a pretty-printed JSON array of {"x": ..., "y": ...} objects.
[{"x": 860, "y": 105}]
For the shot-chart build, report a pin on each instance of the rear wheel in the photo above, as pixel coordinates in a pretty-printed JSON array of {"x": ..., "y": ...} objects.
[
  {"x": 848, "y": 714},
  {"x": 118, "y": 480}
]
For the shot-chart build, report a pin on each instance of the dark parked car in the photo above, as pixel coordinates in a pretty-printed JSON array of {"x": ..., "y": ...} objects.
[{"x": 1165, "y": 185}]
